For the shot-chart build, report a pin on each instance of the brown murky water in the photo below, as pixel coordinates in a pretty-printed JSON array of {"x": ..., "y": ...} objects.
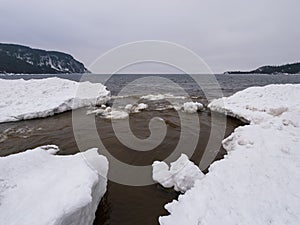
[{"x": 121, "y": 204}]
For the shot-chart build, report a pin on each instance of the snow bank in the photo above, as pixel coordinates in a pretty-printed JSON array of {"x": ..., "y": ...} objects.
[
  {"x": 21, "y": 100},
  {"x": 192, "y": 107},
  {"x": 181, "y": 175},
  {"x": 39, "y": 188},
  {"x": 258, "y": 181}
]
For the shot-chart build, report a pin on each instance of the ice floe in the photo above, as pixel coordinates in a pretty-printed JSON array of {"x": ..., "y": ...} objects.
[
  {"x": 258, "y": 104},
  {"x": 21, "y": 99},
  {"x": 39, "y": 188}
]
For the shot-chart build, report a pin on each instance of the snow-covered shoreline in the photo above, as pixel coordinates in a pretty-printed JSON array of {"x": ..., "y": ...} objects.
[
  {"x": 37, "y": 98},
  {"x": 37, "y": 187},
  {"x": 258, "y": 181}
]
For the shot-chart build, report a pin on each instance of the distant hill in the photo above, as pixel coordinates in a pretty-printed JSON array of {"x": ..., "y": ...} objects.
[
  {"x": 293, "y": 68},
  {"x": 25, "y": 60}
]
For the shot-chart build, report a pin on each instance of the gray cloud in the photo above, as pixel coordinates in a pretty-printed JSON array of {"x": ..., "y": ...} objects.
[{"x": 227, "y": 34}]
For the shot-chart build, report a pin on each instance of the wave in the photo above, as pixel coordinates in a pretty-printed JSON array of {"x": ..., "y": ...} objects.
[{"x": 156, "y": 97}]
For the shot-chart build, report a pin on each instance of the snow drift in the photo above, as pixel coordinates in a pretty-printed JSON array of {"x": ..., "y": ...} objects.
[
  {"x": 39, "y": 188},
  {"x": 21, "y": 99},
  {"x": 258, "y": 181}
]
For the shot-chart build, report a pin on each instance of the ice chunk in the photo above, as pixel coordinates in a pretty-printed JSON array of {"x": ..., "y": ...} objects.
[
  {"x": 109, "y": 113},
  {"x": 39, "y": 188},
  {"x": 21, "y": 100},
  {"x": 51, "y": 149},
  {"x": 141, "y": 106},
  {"x": 181, "y": 175},
  {"x": 136, "y": 108},
  {"x": 115, "y": 114},
  {"x": 128, "y": 107},
  {"x": 192, "y": 107}
]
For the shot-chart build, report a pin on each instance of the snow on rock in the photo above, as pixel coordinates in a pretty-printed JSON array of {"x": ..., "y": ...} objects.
[
  {"x": 39, "y": 188},
  {"x": 192, "y": 107},
  {"x": 181, "y": 175},
  {"x": 258, "y": 181},
  {"x": 21, "y": 100}
]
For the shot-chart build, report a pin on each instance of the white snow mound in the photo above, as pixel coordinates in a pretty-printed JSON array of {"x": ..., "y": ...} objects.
[
  {"x": 39, "y": 188},
  {"x": 181, "y": 175},
  {"x": 27, "y": 99},
  {"x": 258, "y": 181}
]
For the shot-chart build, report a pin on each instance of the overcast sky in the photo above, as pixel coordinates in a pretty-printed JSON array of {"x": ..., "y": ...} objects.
[{"x": 227, "y": 34}]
